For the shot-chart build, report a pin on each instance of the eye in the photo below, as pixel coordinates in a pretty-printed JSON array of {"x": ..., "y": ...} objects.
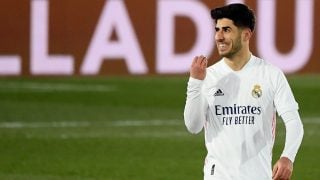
[
  {"x": 226, "y": 29},
  {"x": 217, "y": 29}
]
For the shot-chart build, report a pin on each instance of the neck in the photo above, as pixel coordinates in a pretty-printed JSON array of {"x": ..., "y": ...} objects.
[{"x": 239, "y": 60}]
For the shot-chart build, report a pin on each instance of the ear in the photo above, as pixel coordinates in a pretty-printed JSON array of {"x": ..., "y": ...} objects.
[{"x": 247, "y": 33}]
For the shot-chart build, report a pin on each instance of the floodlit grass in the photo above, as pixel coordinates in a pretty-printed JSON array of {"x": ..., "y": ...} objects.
[{"x": 120, "y": 128}]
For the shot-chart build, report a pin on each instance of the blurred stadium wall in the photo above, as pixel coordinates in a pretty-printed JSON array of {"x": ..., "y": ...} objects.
[{"x": 145, "y": 37}]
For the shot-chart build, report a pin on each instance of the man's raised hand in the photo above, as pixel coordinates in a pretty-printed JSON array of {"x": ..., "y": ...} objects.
[{"x": 198, "y": 67}]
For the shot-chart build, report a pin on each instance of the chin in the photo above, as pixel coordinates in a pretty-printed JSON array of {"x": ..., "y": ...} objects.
[
  {"x": 226, "y": 55},
  {"x": 223, "y": 54}
]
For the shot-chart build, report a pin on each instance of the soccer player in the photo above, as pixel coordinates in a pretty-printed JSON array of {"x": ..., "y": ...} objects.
[{"x": 236, "y": 100}]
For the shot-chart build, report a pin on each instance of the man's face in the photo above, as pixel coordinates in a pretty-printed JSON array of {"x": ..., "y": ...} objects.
[{"x": 228, "y": 38}]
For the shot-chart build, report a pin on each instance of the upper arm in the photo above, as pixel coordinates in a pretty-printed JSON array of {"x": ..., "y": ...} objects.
[{"x": 283, "y": 98}]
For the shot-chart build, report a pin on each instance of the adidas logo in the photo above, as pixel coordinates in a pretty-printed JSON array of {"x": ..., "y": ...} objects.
[{"x": 219, "y": 93}]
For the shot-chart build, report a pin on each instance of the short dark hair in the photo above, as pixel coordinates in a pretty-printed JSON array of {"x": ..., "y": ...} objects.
[{"x": 240, "y": 14}]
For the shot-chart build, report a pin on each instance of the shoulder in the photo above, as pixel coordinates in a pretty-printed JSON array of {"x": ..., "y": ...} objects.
[
  {"x": 266, "y": 66},
  {"x": 271, "y": 73}
]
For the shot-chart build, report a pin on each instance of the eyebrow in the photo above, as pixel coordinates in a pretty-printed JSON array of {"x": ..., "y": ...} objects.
[{"x": 224, "y": 28}]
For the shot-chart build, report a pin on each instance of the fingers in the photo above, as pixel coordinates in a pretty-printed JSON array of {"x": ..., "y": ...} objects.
[
  {"x": 204, "y": 62},
  {"x": 200, "y": 60},
  {"x": 194, "y": 60},
  {"x": 282, "y": 174},
  {"x": 275, "y": 171},
  {"x": 281, "y": 171},
  {"x": 286, "y": 175},
  {"x": 198, "y": 67}
]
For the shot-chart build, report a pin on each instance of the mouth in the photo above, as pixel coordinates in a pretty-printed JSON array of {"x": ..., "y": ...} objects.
[{"x": 222, "y": 46}]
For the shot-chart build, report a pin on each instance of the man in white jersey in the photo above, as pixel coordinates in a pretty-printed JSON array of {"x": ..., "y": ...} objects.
[{"x": 236, "y": 100}]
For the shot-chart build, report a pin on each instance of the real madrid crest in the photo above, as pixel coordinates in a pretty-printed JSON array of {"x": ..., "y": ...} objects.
[{"x": 256, "y": 91}]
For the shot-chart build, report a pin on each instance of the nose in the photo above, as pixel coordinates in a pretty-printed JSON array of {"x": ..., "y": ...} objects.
[{"x": 219, "y": 36}]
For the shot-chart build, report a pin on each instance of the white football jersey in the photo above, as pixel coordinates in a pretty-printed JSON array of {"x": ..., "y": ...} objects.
[{"x": 240, "y": 118}]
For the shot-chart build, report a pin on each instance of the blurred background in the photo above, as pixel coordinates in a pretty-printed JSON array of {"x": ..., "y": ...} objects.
[{"x": 95, "y": 89}]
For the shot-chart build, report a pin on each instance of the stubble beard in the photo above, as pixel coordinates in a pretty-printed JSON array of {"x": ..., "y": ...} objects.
[{"x": 236, "y": 47}]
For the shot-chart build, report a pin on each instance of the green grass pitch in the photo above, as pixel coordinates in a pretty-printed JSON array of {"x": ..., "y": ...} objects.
[{"x": 120, "y": 128}]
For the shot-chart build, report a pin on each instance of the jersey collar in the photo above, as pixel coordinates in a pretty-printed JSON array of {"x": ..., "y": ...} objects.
[{"x": 246, "y": 66}]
